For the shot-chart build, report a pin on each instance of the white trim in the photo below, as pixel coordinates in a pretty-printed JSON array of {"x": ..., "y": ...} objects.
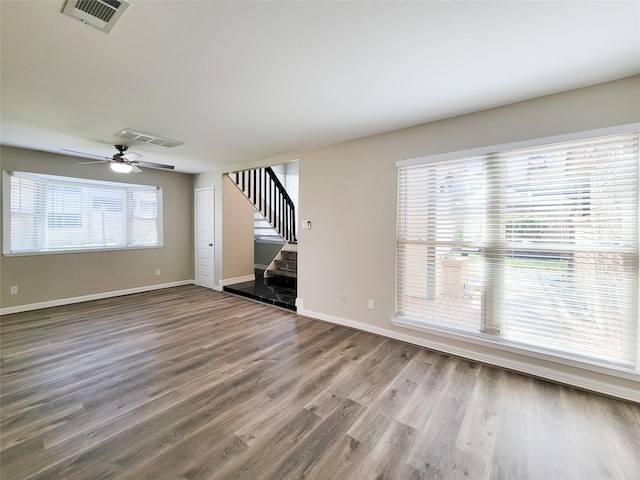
[
  {"x": 93, "y": 296},
  {"x": 223, "y": 282},
  {"x": 268, "y": 241},
  {"x": 492, "y": 356},
  {"x": 102, "y": 248},
  {"x": 73, "y": 181},
  {"x": 474, "y": 152},
  {"x": 6, "y": 211},
  {"x": 485, "y": 340}
]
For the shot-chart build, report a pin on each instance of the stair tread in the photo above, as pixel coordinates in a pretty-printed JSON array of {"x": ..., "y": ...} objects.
[{"x": 283, "y": 273}]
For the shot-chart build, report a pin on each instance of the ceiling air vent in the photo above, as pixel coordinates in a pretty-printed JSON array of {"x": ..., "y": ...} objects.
[
  {"x": 101, "y": 14},
  {"x": 129, "y": 134}
]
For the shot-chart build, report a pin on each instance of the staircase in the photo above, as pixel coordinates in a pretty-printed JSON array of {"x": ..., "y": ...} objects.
[
  {"x": 284, "y": 268},
  {"x": 263, "y": 188}
]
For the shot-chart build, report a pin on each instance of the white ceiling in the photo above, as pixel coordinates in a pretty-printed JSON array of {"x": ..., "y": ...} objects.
[{"x": 243, "y": 81}]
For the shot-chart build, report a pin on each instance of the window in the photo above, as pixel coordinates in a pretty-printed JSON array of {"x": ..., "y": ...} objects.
[
  {"x": 534, "y": 247},
  {"x": 51, "y": 214}
]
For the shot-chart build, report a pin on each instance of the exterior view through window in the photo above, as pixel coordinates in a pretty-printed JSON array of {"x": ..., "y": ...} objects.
[
  {"x": 52, "y": 214},
  {"x": 533, "y": 246}
]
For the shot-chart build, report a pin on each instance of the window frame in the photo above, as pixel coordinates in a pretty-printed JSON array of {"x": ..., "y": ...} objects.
[
  {"x": 58, "y": 180},
  {"x": 496, "y": 341}
]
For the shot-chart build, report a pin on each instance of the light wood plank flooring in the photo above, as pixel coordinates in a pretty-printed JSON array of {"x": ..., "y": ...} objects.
[{"x": 186, "y": 383}]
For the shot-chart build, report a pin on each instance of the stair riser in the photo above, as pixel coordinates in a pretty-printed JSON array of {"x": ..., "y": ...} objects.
[{"x": 287, "y": 265}]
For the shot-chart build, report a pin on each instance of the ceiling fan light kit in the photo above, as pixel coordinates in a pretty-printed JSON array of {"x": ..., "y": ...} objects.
[{"x": 121, "y": 167}]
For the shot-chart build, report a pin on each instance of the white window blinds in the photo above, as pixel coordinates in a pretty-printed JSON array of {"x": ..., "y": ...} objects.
[
  {"x": 537, "y": 246},
  {"x": 50, "y": 213},
  {"x": 28, "y": 214},
  {"x": 143, "y": 217}
]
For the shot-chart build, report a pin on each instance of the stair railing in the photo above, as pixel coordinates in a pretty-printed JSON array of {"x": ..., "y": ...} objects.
[{"x": 263, "y": 188}]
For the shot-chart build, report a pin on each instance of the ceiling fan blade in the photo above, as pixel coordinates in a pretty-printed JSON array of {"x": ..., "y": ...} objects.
[
  {"x": 155, "y": 165},
  {"x": 135, "y": 169},
  {"x": 131, "y": 156},
  {"x": 86, "y": 154},
  {"x": 94, "y": 161}
]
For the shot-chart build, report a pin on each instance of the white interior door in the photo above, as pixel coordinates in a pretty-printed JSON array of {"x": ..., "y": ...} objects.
[{"x": 204, "y": 257}]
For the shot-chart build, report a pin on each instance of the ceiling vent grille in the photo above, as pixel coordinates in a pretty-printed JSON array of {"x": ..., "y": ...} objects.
[
  {"x": 129, "y": 134},
  {"x": 101, "y": 14}
]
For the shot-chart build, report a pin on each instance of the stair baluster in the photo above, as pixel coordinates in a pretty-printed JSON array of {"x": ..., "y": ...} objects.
[{"x": 263, "y": 188}]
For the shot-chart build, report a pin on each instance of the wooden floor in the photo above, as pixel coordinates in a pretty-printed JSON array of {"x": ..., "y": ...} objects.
[{"x": 186, "y": 383}]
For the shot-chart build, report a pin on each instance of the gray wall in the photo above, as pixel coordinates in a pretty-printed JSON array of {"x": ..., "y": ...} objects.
[
  {"x": 265, "y": 252},
  {"x": 237, "y": 232}
]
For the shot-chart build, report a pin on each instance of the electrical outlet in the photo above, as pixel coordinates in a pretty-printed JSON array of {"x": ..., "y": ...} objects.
[
  {"x": 370, "y": 304},
  {"x": 158, "y": 272},
  {"x": 13, "y": 290}
]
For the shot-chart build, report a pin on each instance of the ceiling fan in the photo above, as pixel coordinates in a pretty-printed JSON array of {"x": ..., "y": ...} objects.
[{"x": 122, "y": 162}]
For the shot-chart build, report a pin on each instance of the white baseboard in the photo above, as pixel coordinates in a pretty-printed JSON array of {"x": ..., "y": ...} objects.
[
  {"x": 490, "y": 356},
  {"x": 223, "y": 282},
  {"x": 94, "y": 296}
]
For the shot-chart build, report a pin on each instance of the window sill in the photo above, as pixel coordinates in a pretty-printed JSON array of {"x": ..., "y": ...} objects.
[
  {"x": 493, "y": 346},
  {"x": 80, "y": 250}
]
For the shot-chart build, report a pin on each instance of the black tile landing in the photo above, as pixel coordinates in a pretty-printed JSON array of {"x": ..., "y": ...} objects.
[{"x": 272, "y": 291}]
